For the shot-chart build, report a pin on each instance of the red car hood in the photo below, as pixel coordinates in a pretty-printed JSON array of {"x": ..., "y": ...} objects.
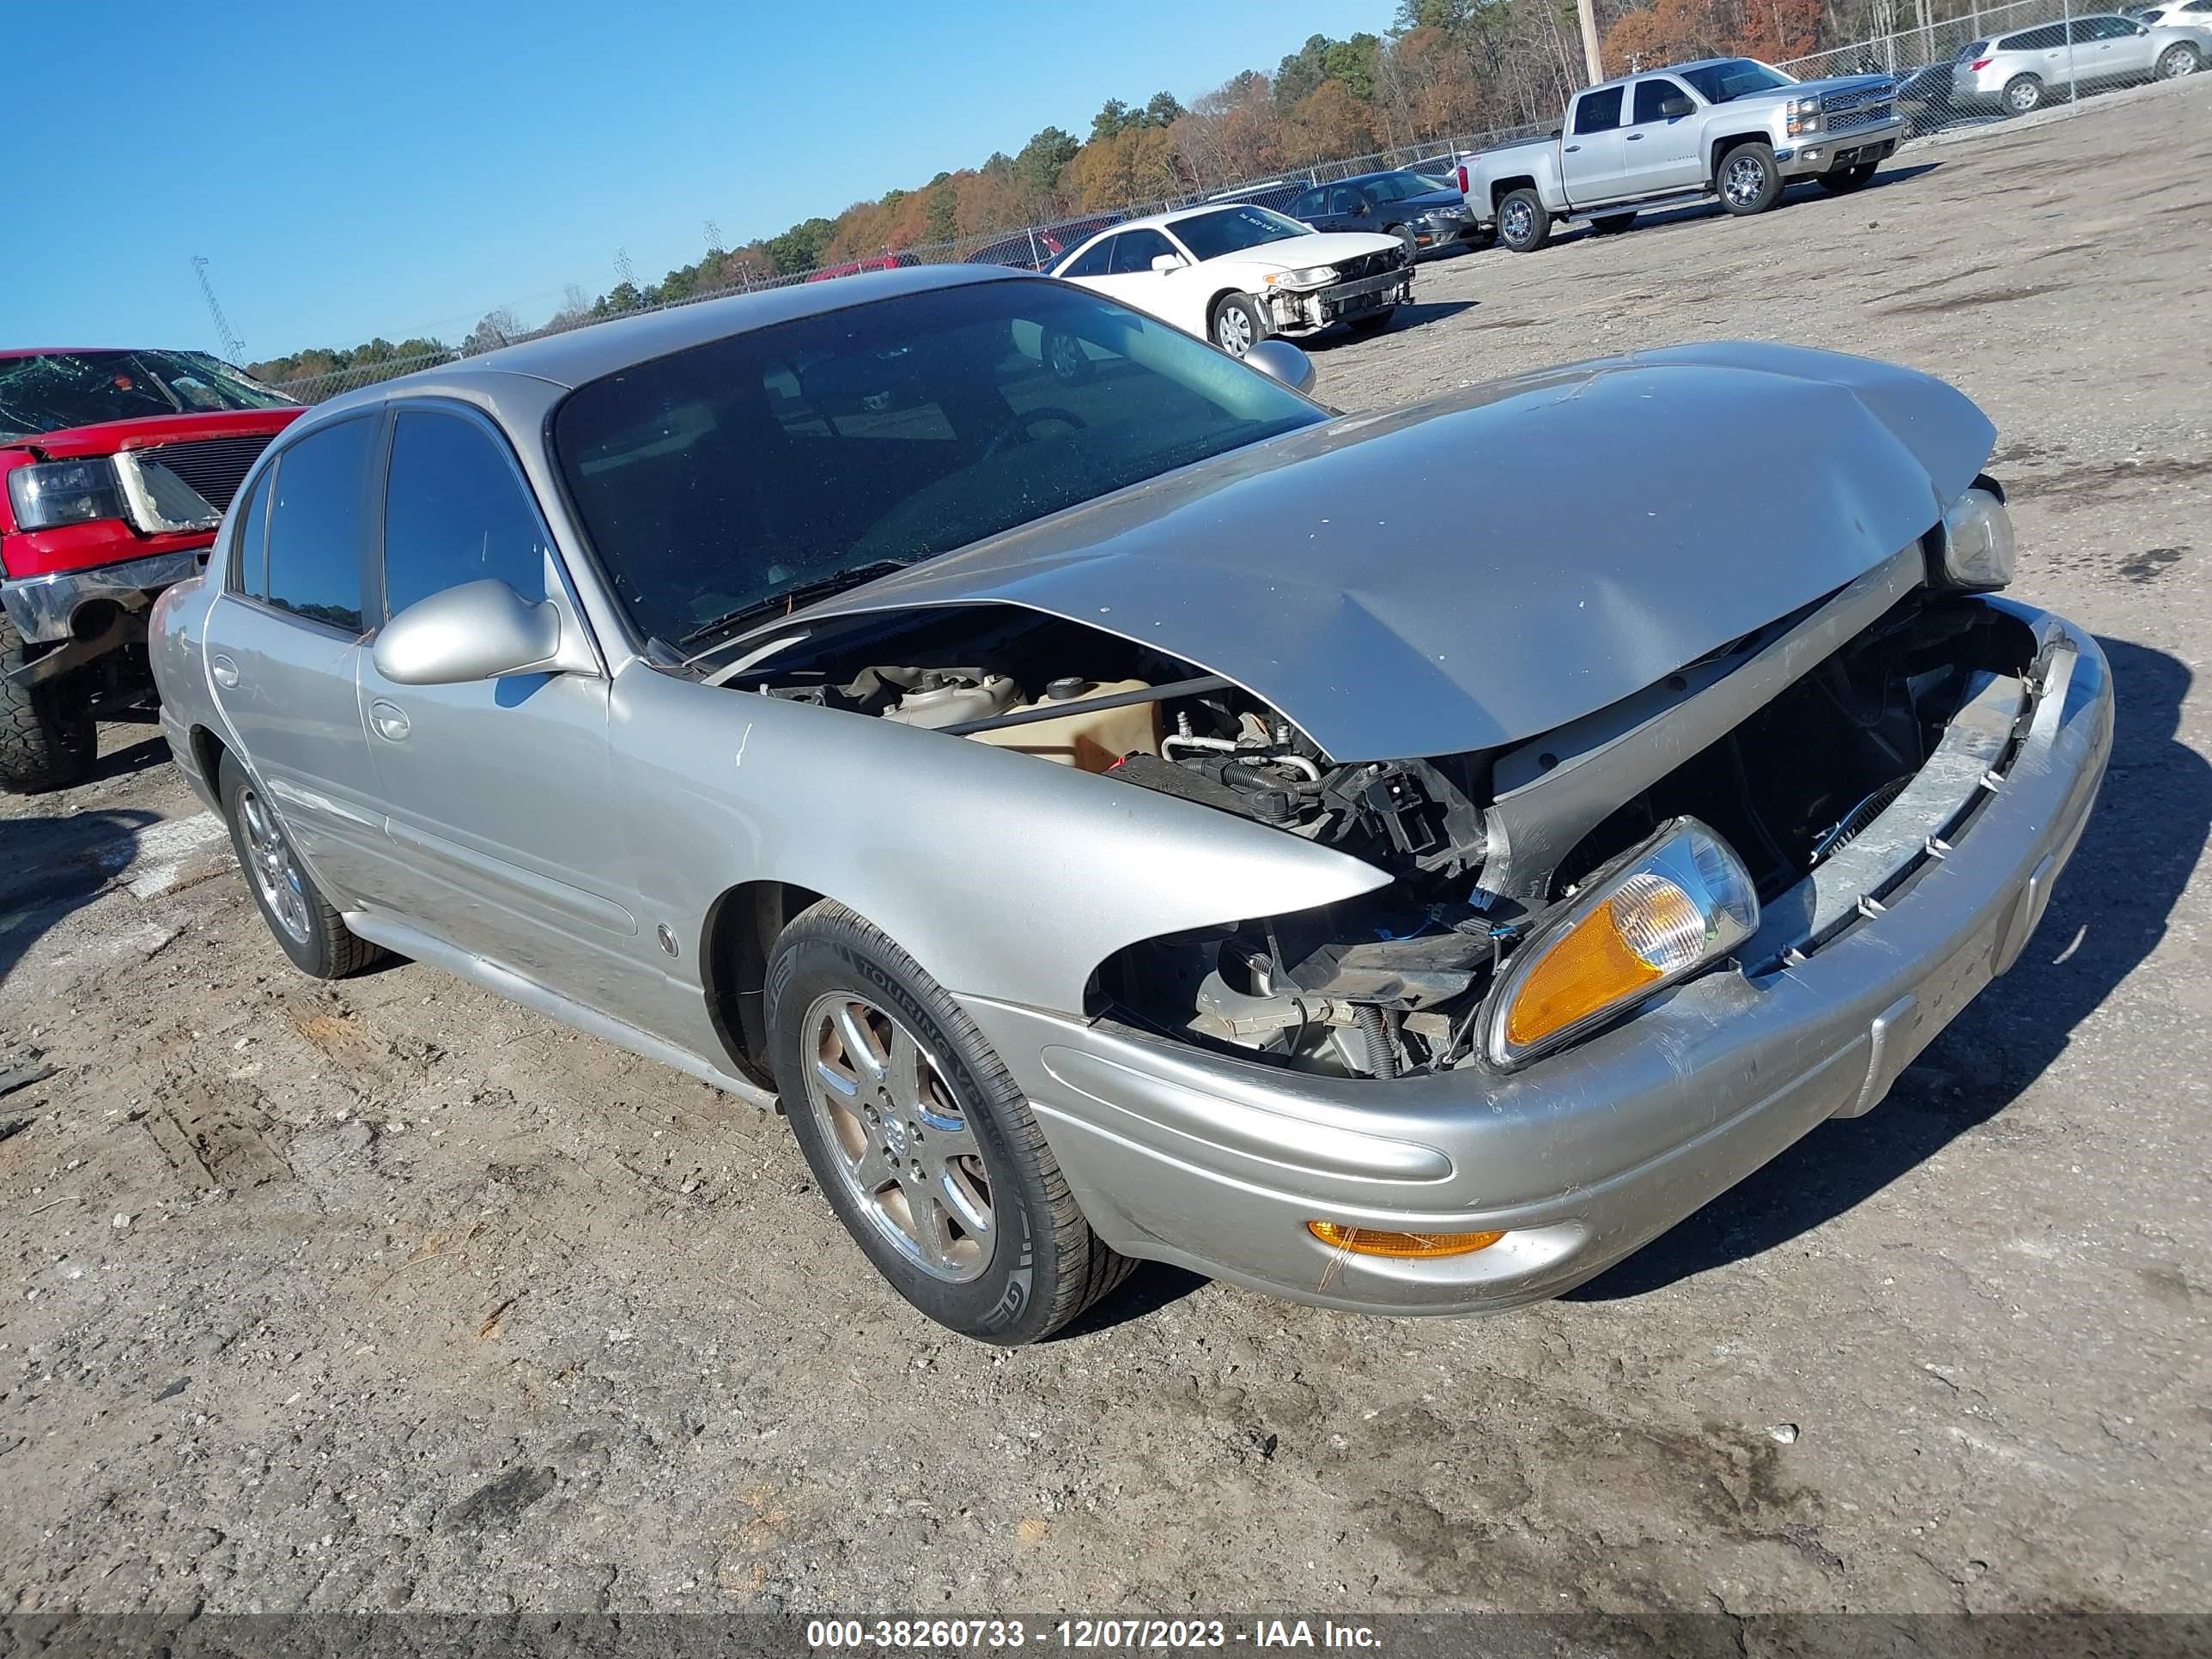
[{"x": 108, "y": 437}]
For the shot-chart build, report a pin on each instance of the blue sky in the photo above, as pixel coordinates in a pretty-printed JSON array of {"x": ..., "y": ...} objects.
[{"x": 395, "y": 167}]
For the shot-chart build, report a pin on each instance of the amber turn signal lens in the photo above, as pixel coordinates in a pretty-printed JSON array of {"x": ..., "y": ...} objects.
[
  {"x": 1606, "y": 955},
  {"x": 1366, "y": 1241}
]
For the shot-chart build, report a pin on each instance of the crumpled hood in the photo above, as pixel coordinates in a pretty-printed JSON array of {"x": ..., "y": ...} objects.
[{"x": 1476, "y": 570}]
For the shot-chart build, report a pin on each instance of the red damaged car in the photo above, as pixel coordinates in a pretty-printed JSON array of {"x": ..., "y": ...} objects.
[{"x": 117, "y": 466}]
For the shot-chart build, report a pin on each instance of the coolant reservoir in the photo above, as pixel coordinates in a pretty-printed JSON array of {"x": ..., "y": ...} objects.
[
  {"x": 1092, "y": 740},
  {"x": 936, "y": 702}
]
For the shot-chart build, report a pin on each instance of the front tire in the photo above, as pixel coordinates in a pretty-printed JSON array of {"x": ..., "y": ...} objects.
[
  {"x": 1407, "y": 238},
  {"x": 1236, "y": 325},
  {"x": 1845, "y": 180},
  {"x": 1371, "y": 322},
  {"x": 1750, "y": 181},
  {"x": 2180, "y": 59},
  {"x": 1524, "y": 223},
  {"x": 47, "y": 736},
  {"x": 2024, "y": 94},
  {"x": 921, "y": 1139},
  {"x": 305, "y": 924}
]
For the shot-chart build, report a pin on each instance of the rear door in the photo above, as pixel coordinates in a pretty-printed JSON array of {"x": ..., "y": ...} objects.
[
  {"x": 1591, "y": 154},
  {"x": 506, "y": 842},
  {"x": 284, "y": 647},
  {"x": 1661, "y": 151}
]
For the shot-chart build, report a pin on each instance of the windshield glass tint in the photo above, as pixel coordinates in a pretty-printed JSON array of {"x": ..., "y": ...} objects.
[
  {"x": 1232, "y": 230},
  {"x": 1397, "y": 187},
  {"x": 724, "y": 478},
  {"x": 1721, "y": 83},
  {"x": 61, "y": 389}
]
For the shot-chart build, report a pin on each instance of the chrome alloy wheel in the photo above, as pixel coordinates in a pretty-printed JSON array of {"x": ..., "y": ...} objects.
[
  {"x": 2024, "y": 95},
  {"x": 1743, "y": 181},
  {"x": 1520, "y": 219},
  {"x": 899, "y": 1136},
  {"x": 1232, "y": 330},
  {"x": 276, "y": 871}
]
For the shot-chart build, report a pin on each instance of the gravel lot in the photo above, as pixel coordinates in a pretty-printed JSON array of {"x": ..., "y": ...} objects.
[{"x": 392, "y": 1295}]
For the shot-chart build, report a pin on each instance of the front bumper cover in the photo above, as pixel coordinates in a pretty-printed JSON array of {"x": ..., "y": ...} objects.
[
  {"x": 1313, "y": 309},
  {"x": 1218, "y": 1164},
  {"x": 41, "y": 606}
]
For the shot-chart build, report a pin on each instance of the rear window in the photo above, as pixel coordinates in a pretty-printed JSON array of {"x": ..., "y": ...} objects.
[
  {"x": 1971, "y": 49},
  {"x": 57, "y": 390}
]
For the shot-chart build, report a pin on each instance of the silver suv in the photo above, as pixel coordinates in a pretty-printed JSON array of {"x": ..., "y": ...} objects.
[{"x": 2021, "y": 71}]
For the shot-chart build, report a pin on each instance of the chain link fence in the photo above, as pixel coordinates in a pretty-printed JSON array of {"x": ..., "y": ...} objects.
[{"x": 1920, "y": 56}]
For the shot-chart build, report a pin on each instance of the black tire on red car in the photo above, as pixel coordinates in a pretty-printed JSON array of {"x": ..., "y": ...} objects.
[
  {"x": 921, "y": 1139},
  {"x": 47, "y": 736}
]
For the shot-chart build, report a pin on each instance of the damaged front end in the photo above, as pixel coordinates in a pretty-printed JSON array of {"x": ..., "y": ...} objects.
[{"x": 1742, "y": 809}]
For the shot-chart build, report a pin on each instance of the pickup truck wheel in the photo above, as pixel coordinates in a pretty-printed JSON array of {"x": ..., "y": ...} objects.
[
  {"x": 2023, "y": 95},
  {"x": 307, "y": 928},
  {"x": 1524, "y": 224},
  {"x": 921, "y": 1139},
  {"x": 1236, "y": 326},
  {"x": 1611, "y": 224},
  {"x": 2180, "y": 59},
  {"x": 47, "y": 738},
  {"x": 1844, "y": 180},
  {"x": 1749, "y": 182}
]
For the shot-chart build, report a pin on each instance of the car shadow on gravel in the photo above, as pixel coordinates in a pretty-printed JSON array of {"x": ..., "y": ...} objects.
[
  {"x": 1794, "y": 195},
  {"x": 1412, "y": 314},
  {"x": 50, "y": 867},
  {"x": 2109, "y": 912}
]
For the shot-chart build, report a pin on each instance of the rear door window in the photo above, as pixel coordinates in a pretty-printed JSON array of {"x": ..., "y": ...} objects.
[
  {"x": 1598, "y": 112},
  {"x": 455, "y": 511},
  {"x": 249, "y": 569},
  {"x": 316, "y": 521}
]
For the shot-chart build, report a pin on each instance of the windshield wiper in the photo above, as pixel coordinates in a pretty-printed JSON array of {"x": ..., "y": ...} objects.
[{"x": 790, "y": 597}]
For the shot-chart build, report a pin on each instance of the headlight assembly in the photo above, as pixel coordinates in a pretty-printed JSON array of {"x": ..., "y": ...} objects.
[
  {"x": 1679, "y": 903},
  {"x": 1802, "y": 115},
  {"x": 54, "y": 493},
  {"x": 1311, "y": 276},
  {"x": 1978, "y": 550}
]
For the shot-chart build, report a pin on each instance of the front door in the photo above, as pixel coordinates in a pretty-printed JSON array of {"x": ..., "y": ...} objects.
[
  {"x": 1591, "y": 154},
  {"x": 1130, "y": 278},
  {"x": 506, "y": 843},
  {"x": 1660, "y": 151},
  {"x": 284, "y": 650}
]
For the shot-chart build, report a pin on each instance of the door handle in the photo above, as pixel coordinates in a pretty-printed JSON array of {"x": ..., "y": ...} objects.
[
  {"x": 1571, "y": 148},
  {"x": 224, "y": 671},
  {"x": 1634, "y": 136},
  {"x": 390, "y": 720}
]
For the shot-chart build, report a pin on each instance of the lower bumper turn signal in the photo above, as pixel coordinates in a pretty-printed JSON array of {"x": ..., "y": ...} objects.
[{"x": 1367, "y": 1241}]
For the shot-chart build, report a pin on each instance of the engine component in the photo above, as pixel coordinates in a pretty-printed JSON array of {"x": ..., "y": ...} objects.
[
  {"x": 1092, "y": 735},
  {"x": 937, "y": 700}
]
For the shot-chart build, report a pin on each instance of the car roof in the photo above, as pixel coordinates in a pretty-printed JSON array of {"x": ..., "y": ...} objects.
[
  {"x": 1667, "y": 69},
  {"x": 580, "y": 355},
  {"x": 2078, "y": 17}
]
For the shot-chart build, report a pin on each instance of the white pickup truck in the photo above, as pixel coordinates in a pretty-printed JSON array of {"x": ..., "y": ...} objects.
[{"x": 1730, "y": 127}]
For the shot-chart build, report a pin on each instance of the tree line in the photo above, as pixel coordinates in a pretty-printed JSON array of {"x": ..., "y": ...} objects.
[{"x": 1448, "y": 68}]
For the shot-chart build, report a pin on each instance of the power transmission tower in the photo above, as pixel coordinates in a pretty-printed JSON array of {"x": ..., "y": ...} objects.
[
  {"x": 622, "y": 266},
  {"x": 713, "y": 238},
  {"x": 234, "y": 349}
]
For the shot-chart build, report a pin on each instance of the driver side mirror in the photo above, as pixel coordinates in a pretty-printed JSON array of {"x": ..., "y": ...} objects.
[
  {"x": 1676, "y": 106},
  {"x": 1279, "y": 360},
  {"x": 1164, "y": 263},
  {"x": 480, "y": 630},
  {"x": 1363, "y": 210}
]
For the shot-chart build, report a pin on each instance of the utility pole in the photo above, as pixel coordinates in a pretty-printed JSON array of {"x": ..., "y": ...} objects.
[
  {"x": 1587, "y": 12},
  {"x": 234, "y": 349}
]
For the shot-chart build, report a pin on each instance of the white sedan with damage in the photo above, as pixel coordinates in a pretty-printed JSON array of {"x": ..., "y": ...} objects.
[{"x": 1238, "y": 273}]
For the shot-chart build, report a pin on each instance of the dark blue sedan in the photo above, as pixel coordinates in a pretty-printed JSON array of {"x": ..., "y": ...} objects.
[{"x": 1428, "y": 215}]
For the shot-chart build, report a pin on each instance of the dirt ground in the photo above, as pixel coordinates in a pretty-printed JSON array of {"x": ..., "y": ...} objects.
[{"x": 392, "y": 1295}]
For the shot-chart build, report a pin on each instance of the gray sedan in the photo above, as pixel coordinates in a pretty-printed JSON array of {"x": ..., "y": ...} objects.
[{"x": 1007, "y": 730}]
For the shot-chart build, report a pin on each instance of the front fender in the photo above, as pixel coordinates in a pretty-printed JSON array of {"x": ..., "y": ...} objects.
[{"x": 1003, "y": 875}]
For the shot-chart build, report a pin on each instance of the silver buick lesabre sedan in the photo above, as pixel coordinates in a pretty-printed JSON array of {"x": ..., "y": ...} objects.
[{"x": 1122, "y": 809}]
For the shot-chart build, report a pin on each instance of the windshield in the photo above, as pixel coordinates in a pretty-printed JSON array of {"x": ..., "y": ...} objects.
[
  {"x": 57, "y": 390},
  {"x": 724, "y": 480},
  {"x": 1739, "y": 77},
  {"x": 1233, "y": 230},
  {"x": 1397, "y": 187}
]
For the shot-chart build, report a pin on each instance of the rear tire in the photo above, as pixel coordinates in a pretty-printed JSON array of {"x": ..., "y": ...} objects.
[
  {"x": 1611, "y": 224},
  {"x": 1749, "y": 180},
  {"x": 1524, "y": 223},
  {"x": 1236, "y": 325},
  {"x": 47, "y": 736},
  {"x": 2024, "y": 94},
  {"x": 305, "y": 924},
  {"x": 983, "y": 1235},
  {"x": 1845, "y": 180}
]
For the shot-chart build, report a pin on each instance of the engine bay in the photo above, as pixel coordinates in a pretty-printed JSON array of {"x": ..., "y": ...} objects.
[{"x": 1393, "y": 983}]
